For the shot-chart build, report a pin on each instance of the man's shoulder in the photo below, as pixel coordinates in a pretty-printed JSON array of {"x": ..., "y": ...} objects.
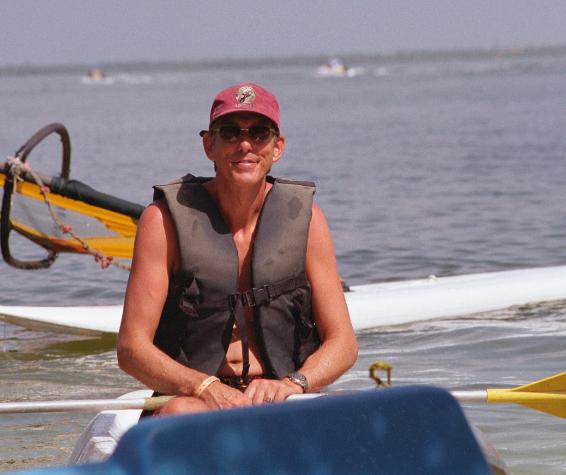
[
  {"x": 288, "y": 181},
  {"x": 187, "y": 180},
  {"x": 155, "y": 215}
]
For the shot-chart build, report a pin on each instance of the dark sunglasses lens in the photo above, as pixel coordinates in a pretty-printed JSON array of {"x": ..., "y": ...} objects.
[
  {"x": 229, "y": 132},
  {"x": 260, "y": 133}
]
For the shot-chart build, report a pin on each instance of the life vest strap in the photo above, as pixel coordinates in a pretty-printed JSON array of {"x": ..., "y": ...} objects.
[
  {"x": 253, "y": 298},
  {"x": 237, "y": 312},
  {"x": 258, "y": 296}
]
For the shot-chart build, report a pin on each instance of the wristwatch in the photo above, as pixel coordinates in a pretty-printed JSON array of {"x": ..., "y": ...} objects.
[{"x": 300, "y": 379}]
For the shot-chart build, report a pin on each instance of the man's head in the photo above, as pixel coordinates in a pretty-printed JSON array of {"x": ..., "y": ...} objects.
[
  {"x": 243, "y": 139},
  {"x": 245, "y": 97}
]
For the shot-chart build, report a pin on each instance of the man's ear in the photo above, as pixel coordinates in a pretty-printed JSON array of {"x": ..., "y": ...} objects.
[
  {"x": 207, "y": 145},
  {"x": 279, "y": 148}
]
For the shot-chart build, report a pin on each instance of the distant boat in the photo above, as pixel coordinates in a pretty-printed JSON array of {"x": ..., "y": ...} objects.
[
  {"x": 96, "y": 76},
  {"x": 336, "y": 68}
]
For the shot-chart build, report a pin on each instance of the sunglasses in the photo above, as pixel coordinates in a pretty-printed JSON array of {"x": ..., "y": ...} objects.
[{"x": 256, "y": 133}]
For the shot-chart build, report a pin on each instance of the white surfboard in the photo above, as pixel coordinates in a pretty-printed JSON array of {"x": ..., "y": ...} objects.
[{"x": 370, "y": 306}]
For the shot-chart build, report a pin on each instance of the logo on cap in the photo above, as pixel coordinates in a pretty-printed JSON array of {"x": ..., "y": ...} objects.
[{"x": 245, "y": 95}]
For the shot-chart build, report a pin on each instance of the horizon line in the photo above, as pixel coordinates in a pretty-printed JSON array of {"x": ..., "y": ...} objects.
[{"x": 315, "y": 58}]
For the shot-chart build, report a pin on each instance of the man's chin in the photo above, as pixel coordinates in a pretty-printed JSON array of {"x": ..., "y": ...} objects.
[{"x": 248, "y": 176}]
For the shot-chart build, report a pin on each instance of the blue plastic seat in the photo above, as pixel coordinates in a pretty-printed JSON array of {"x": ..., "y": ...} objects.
[{"x": 412, "y": 430}]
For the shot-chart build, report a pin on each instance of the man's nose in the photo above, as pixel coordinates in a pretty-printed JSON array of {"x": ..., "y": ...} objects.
[{"x": 244, "y": 142}]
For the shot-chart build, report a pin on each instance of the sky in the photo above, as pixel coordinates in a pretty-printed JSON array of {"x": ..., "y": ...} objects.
[{"x": 46, "y": 32}]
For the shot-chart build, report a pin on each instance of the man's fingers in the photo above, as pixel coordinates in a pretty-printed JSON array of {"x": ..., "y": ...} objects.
[
  {"x": 223, "y": 396},
  {"x": 259, "y": 396},
  {"x": 262, "y": 391},
  {"x": 251, "y": 391},
  {"x": 256, "y": 391}
]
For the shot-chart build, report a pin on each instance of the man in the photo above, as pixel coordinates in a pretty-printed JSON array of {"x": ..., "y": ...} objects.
[{"x": 234, "y": 297}]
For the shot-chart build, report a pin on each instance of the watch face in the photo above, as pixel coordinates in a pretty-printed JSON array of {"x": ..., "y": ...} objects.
[{"x": 300, "y": 379}]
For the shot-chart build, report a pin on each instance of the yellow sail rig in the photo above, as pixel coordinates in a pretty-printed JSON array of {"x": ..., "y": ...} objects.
[{"x": 61, "y": 214}]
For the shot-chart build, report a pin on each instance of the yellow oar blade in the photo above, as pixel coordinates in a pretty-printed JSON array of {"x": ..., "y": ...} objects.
[
  {"x": 552, "y": 384},
  {"x": 554, "y": 408},
  {"x": 546, "y": 395}
]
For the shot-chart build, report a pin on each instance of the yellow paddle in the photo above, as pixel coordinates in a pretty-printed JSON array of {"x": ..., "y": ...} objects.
[{"x": 547, "y": 395}]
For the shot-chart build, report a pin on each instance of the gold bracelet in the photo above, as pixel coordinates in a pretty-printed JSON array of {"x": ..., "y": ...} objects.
[{"x": 205, "y": 384}]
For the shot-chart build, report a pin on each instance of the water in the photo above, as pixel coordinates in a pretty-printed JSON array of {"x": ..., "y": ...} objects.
[{"x": 443, "y": 166}]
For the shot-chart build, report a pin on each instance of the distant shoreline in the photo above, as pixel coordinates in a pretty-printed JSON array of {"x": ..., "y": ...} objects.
[{"x": 231, "y": 63}]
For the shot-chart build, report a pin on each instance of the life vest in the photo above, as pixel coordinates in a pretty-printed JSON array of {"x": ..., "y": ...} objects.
[{"x": 204, "y": 299}]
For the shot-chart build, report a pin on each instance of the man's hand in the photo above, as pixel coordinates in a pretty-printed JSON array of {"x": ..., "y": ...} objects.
[
  {"x": 222, "y": 396},
  {"x": 262, "y": 391}
]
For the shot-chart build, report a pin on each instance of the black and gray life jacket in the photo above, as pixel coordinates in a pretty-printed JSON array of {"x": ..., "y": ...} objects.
[{"x": 204, "y": 299}]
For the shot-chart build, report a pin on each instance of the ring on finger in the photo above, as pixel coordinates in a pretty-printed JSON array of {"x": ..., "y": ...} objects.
[{"x": 268, "y": 399}]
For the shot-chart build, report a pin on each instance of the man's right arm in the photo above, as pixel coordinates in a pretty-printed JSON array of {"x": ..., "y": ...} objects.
[{"x": 156, "y": 257}]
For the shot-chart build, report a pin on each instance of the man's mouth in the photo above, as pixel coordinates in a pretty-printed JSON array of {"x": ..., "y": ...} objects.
[{"x": 245, "y": 161}]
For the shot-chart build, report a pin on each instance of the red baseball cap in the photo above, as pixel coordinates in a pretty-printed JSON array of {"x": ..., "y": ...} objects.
[{"x": 245, "y": 97}]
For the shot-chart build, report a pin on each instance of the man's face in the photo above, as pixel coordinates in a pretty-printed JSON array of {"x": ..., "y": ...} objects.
[{"x": 244, "y": 156}]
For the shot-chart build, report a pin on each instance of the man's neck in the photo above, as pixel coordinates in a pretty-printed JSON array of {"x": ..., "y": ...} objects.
[{"x": 240, "y": 206}]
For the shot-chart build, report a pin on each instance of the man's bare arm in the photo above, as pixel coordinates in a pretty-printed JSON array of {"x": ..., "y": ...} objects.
[
  {"x": 152, "y": 266},
  {"x": 154, "y": 262},
  {"x": 339, "y": 349}
]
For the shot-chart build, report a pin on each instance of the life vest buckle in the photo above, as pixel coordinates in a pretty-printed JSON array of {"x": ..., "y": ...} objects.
[
  {"x": 248, "y": 298},
  {"x": 255, "y": 297}
]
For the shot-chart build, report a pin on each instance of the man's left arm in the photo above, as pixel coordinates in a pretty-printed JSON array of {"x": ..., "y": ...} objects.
[{"x": 339, "y": 350}]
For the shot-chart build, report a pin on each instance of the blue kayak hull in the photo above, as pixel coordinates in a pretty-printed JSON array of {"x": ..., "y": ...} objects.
[{"x": 410, "y": 430}]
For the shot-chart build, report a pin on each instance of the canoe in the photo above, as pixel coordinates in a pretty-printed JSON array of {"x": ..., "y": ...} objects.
[
  {"x": 413, "y": 429},
  {"x": 370, "y": 305}
]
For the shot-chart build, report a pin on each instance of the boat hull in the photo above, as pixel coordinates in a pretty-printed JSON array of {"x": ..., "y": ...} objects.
[
  {"x": 414, "y": 429},
  {"x": 370, "y": 306}
]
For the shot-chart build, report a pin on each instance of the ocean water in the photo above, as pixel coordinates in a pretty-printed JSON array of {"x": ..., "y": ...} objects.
[{"x": 423, "y": 166}]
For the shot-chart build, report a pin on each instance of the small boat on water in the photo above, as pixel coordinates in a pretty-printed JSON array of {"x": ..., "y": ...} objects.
[
  {"x": 336, "y": 68},
  {"x": 96, "y": 76},
  {"x": 414, "y": 429}
]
